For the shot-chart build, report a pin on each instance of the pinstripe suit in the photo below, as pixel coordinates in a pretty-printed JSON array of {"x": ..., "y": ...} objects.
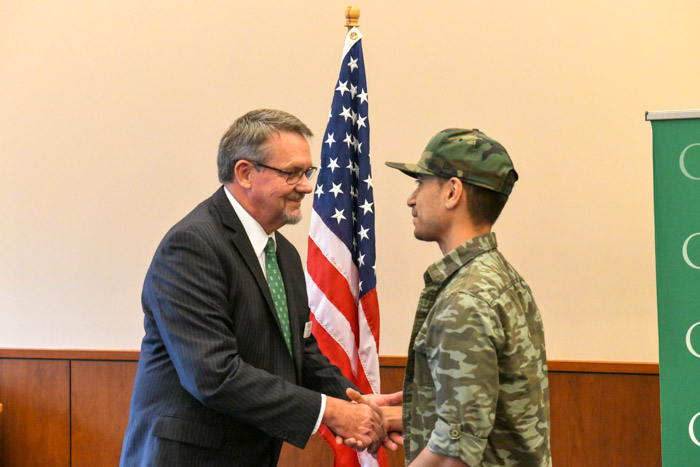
[{"x": 216, "y": 384}]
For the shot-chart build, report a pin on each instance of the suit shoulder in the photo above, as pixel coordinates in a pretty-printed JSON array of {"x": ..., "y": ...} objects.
[{"x": 203, "y": 222}]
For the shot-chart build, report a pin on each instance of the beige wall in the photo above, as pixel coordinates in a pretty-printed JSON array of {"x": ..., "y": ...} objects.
[{"x": 111, "y": 112}]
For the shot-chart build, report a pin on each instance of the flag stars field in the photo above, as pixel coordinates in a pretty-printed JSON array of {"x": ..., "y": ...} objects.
[
  {"x": 319, "y": 191},
  {"x": 342, "y": 87},
  {"x": 339, "y": 215},
  {"x": 363, "y": 233},
  {"x": 336, "y": 190},
  {"x": 348, "y": 139},
  {"x": 363, "y": 96},
  {"x": 333, "y": 164},
  {"x": 346, "y": 114},
  {"x": 366, "y": 207}
]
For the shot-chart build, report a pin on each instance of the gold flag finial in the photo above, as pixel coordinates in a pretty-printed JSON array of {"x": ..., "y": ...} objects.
[{"x": 352, "y": 14}]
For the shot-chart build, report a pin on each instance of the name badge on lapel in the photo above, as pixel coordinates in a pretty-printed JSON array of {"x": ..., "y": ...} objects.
[{"x": 307, "y": 329}]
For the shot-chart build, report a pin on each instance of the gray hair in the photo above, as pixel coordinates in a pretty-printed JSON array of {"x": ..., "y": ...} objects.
[{"x": 247, "y": 138}]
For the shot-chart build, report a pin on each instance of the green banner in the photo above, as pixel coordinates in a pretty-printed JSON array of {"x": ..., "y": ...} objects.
[{"x": 676, "y": 141}]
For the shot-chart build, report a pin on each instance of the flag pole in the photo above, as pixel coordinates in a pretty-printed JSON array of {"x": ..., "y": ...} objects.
[{"x": 352, "y": 15}]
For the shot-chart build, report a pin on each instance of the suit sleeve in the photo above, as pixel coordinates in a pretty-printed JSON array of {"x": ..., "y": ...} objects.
[{"x": 187, "y": 291}]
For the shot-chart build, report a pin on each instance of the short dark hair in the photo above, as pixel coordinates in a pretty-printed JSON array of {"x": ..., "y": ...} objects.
[
  {"x": 247, "y": 137},
  {"x": 483, "y": 205}
]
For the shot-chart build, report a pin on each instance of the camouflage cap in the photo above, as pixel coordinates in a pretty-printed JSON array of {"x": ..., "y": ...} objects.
[{"x": 469, "y": 155}]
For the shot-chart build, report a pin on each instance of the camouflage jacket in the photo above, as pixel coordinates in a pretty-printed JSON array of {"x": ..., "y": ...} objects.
[{"x": 476, "y": 377}]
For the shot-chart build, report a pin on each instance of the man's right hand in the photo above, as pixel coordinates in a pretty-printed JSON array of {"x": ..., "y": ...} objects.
[
  {"x": 391, "y": 419},
  {"x": 360, "y": 422}
]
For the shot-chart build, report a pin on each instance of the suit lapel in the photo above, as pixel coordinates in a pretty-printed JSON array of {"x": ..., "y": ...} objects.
[{"x": 241, "y": 242}]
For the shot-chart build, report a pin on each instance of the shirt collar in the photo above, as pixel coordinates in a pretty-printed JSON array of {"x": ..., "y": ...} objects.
[
  {"x": 256, "y": 234},
  {"x": 455, "y": 259}
]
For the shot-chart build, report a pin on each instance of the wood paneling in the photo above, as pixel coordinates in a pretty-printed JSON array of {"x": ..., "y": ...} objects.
[
  {"x": 2, "y": 463},
  {"x": 100, "y": 397},
  {"x": 316, "y": 452},
  {"x": 603, "y": 413},
  {"x": 36, "y": 412},
  {"x": 56, "y": 354},
  {"x": 605, "y": 419}
]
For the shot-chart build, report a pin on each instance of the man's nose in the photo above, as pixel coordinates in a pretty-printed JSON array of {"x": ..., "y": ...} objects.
[
  {"x": 411, "y": 200},
  {"x": 304, "y": 185}
]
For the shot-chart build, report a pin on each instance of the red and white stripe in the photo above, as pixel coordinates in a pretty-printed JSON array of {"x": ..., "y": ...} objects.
[{"x": 345, "y": 324}]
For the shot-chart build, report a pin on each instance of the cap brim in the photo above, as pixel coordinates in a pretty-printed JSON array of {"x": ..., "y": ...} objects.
[{"x": 412, "y": 170}]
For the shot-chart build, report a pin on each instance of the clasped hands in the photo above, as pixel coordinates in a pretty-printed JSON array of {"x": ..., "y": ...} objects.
[{"x": 367, "y": 422}]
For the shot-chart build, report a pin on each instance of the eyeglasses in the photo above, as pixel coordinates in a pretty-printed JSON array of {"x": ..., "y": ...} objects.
[{"x": 292, "y": 177}]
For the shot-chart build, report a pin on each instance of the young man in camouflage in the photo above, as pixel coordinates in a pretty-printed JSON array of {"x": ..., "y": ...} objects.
[{"x": 476, "y": 390}]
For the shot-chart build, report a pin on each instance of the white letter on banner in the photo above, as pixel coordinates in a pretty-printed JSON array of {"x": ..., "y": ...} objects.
[
  {"x": 682, "y": 162},
  {"x": 685, "y": 250},
  {"x": 687, "y": 340},
  {"x": 691, "y": 429}
]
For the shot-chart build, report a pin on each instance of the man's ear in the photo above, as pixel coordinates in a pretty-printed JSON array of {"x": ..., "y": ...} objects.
[
  {"x": 454, "y": 192},
  {"x": 243, "y": 173}
]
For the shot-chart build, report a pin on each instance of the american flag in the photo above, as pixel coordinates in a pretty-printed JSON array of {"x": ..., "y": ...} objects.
[{"x": 340, "y": 275}]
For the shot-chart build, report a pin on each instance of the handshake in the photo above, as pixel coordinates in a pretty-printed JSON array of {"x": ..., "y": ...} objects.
[{"x": 367, "y": 421}]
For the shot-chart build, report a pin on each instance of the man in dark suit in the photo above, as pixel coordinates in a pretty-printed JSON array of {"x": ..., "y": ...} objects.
[{"x": 228, "y": 371}]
